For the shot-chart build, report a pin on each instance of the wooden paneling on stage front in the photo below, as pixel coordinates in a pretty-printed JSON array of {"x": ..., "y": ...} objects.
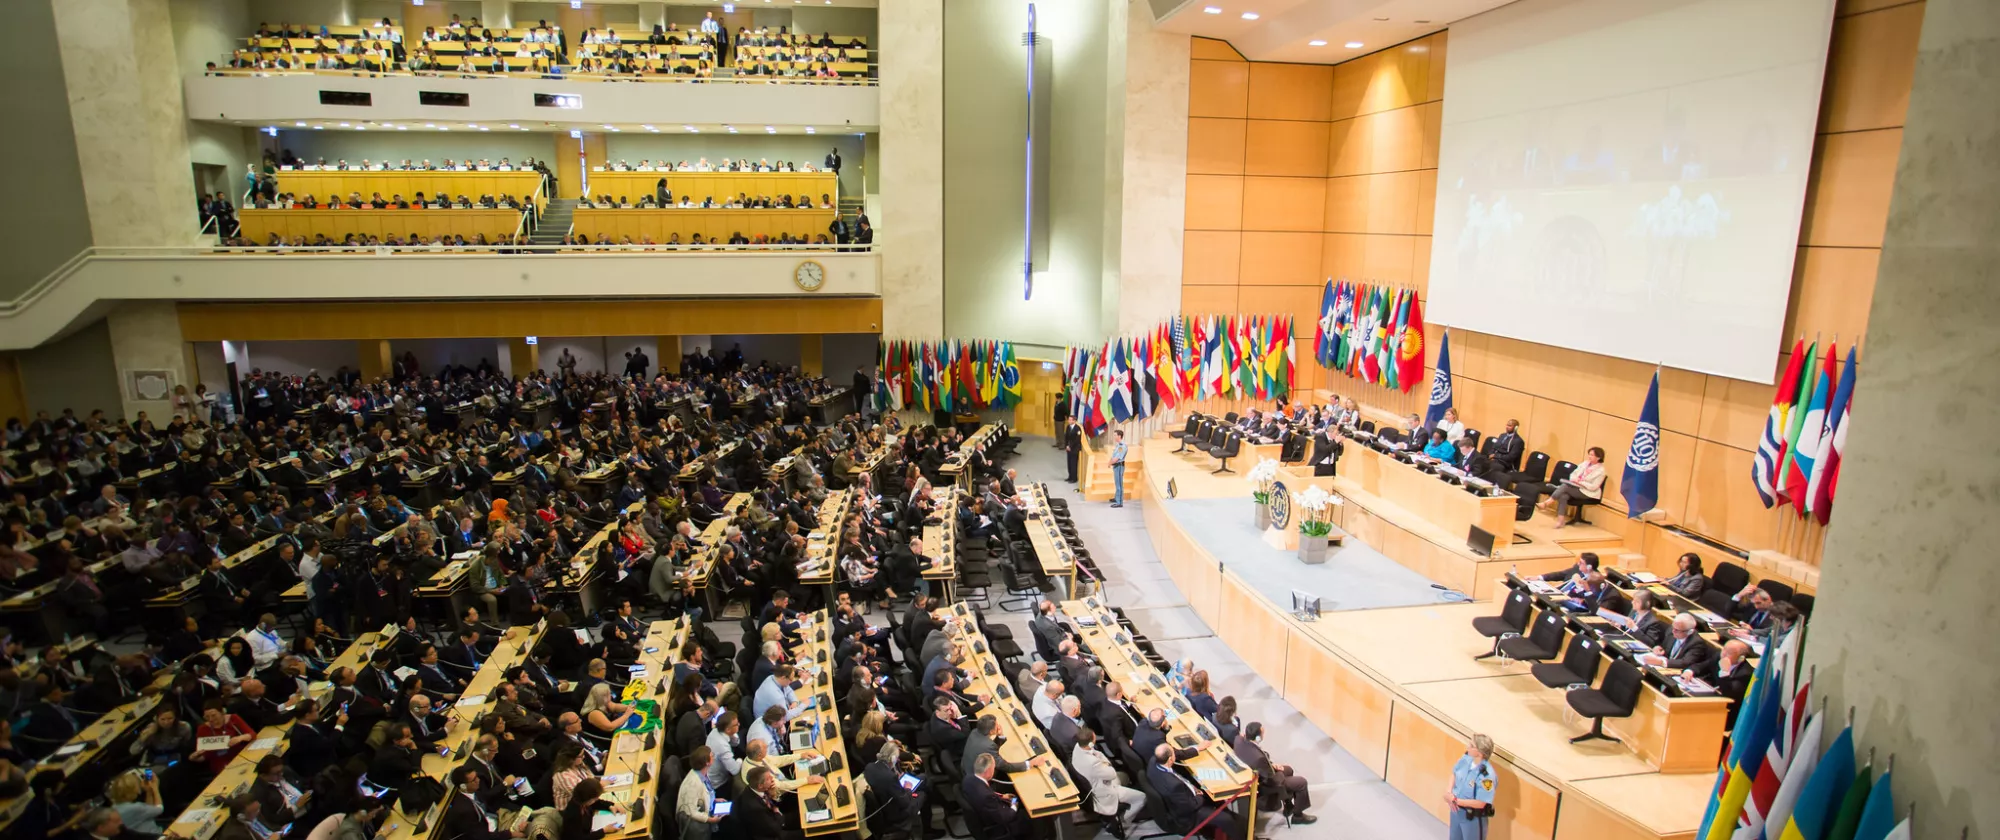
[{"x": 1399, "y": 689}]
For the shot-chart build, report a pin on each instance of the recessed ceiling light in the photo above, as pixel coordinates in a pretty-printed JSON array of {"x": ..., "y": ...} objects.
[
  {"x": 402, "y": 128},
  {"x": 1354, "y": 45},
  {"x": 444, "y": 128},
  {"x": 343, "y": 125},
  {"x": 1249, "y": 15},
  {"x": 809, "y": 130},
  {"x": 648, "y": 128},
  {"x": 430, "y": 125},
  {"x": 301, "y": 125},
  {"x": 361, "y": 128},
  {"x": 319, "y": 128},
  {"x": 770, "y": 130},
  {"x": 513, "y": 125},
  {"x": 1211, "y": 10},
  {"x": 1315, "y": 43}
]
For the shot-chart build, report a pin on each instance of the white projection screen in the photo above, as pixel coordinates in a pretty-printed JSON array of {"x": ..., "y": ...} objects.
[{"x": 1626, "y": 177}]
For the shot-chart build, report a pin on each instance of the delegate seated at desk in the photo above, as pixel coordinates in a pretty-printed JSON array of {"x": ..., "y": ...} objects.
[
  {"x": 1646, "y": 625},
  {"x": 1505, "y": 448},
  {"x": 1585, "y": 483},
  {"x": 1729, "y": 674},
  {"x": 1682, "y": 650},
  {"x": 1689, "y": 581},
  {"x": 1441, "y": 449}
]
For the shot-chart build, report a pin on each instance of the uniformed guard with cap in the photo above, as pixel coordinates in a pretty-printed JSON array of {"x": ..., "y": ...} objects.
[{"x": 1471, "y": 795}]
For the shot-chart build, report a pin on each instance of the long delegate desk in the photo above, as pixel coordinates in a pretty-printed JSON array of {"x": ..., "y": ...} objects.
[
  {"x": 941, "y": 545},
  {"x": 954, "y": 464},
  {"x": 632, "y": 764},
  {"x": 1216, "y": 768},
  {"x": 1044, "y": 791},
  {"x": 720, "y": 186},
  {"x": 712, "y": 224},
  {"x": 259, "y": 224},
  {"x": 1052, "y": 551},
  {"x": 701, "y": 564},
  {"x": 328, "y": 183},
  {"x": 821, "y": 566},
  {"x": 182, "y": 594},
  {"x": 476, "y": 700},
  {"x": 208, "y": 815},
  {"x": 821, "y": 811}
]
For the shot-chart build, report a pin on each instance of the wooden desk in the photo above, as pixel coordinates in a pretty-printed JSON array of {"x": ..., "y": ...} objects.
[
  {"x": 1147, "y": 690},
  {"x": 954, "y": 465},
  {"x": 1042, "y": 795},
  {"x": 337, "y": 224},
  {"x": 717, "y": 185},
  {"x": 825, "y": 715},
  {"x": 1448, "y": 506},
  {"x": 325, "y": 183},
  {"x": 714, "y": 225},
  {"x": 1051, "y": 549},
  {"x": 200, "y": 823},
  {"x": 629, "y": 758},
  {"x": 941, "y": 544},
  {"x": 821, "y": 566}
]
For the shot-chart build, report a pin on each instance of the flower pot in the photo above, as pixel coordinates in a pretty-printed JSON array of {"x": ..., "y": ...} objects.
[
  {"x": 1312, "y": 550},
  {"x": 1263, "y": 515}
]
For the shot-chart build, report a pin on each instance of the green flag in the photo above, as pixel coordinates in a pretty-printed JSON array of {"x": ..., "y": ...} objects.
[
  {"x": 1796, "y": 418},
  {"x": 1848, "y": 818}
]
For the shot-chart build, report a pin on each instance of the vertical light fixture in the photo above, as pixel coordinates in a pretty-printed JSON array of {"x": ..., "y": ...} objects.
[{"x": 1035, "y": 206}]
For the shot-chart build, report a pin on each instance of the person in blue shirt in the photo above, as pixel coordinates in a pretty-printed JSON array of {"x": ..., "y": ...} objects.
[
  {"x": 1442, "y": 449},
  {"x": 776, "y": 691},
  {"x": 1471, "y": 795},
  {"x": 1118, "y": 470}
]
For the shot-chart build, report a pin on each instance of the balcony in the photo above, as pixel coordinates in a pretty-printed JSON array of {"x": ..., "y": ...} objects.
[{"x": 98, "y": 278}]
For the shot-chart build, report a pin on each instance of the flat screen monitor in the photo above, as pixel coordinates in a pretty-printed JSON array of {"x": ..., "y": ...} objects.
[{"x": 1480, "y": 541}]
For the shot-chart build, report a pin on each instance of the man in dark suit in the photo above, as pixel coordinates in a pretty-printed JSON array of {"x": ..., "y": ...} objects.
[
  {"x": 1729, "y": 673},
  {"x": 1063, "y": 729},
  {"x": 524, "y": 604},
  {"x": 1072, "y": 446},
  {"x": 1646, "y": 624},
  {"x": 50, "y": 725},
  {"x": 397, "y": 760},
  {"x": 896, "y": 804},
  {"x": 311, "y": 746},
  {"x": 947, "y": 732},
  {"x": 833, "y": 160},
  {"x": 425, "y": 727},
  {"x": 1505, "y": 448},
  {"x": 985, "y": 743},
  {"x": 1326, "y": 452},
  {"x": 1683, "y": 650},
  {"x": 755, "y": 810},
  {"x": 1185, "y": 804},
  {"x": 1599, "y": 594},
  {"x": 996, "y": 811},
  {"x": 1152, "y": 733},
  {"x": 1117, "y": 721},
  {"x": 1276, "y": 780},
  {"x": 466, "y": 818}
]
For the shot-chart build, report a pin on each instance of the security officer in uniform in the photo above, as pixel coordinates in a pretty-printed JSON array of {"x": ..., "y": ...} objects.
[{"x": 1471, "y": 795}]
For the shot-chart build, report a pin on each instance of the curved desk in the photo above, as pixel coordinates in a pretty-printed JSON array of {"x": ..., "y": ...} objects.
[{"x": 713, "y": 225}]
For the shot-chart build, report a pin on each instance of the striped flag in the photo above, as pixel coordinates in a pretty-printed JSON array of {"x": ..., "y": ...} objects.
[
  {"x": 1797, "y": 772},
  {"x": 1756, "y": 720},
  {"x": 1795, "y": 418},
  {"x": 1812, "y": 427},
  {"x": 1826, "y": 465},
  {"x": 1777, "y": 757},
  {"x": 1771, "y": 447},
  {"x": 1814, "y": 810}
]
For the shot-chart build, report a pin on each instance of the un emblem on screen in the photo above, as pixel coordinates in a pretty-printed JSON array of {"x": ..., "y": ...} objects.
[
  {"x": 1281, "y": 506},
  {"x": 1645, "y": 448}
]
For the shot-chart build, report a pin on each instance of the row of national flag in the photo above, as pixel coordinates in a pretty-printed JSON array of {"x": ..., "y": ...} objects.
[
  {"x": 1186, "y": 357},
  {"x": 1776, "y": 784},
  {"x": 1372, "y": 333},
  {"x": 953, "y": 375},
  {"x": 1798, "y": 457}
]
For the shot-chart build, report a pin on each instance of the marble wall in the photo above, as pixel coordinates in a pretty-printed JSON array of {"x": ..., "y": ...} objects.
[
  {"x": 910, "y": 233},
  {"x": 146, "y": 340},
  {"x": 1153, "y": 185},
  {"x": 1905, "y": 595},
  {"x": 120, "y": 69},
  {"x": 61, "y": 227}
]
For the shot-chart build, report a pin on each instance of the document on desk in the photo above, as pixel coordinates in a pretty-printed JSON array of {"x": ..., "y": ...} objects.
[
  {"x": 818, "y": 816},
  {"x": 607, "y": 821},
  {"x": 618, "y": 780},
  {"x": 265, "y": 743},
  {"x": 1210, "y": 774}
]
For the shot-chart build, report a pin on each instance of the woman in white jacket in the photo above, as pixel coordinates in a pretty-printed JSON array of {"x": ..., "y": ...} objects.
[{"x": 1119, "y": 804}]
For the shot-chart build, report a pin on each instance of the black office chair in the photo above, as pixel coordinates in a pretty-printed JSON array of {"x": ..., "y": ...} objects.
[
  {"x": 1367, "y": 426},
  {"x": 1616, "y": 698},
  {"x": 1512, "y": 620},
  {"x": 1804, "y": 602},
  {"x": 1474, "y": 436},
  {"x": 1292, "y": 447},
  {"x": 1578, "y": 666},
  {"x": 1728, "y": 577},
  {"x": 1537, "y": 468},
  {"x": 1717, "y": 600},
  {"x": 1229, "y": 449},
  {"x": 1563, "y": 470},
  {"x": 1542, "y": 643},
  {"x": 1779, "y": 592},
  {"x": 1578, "y": 506},
  {"x": 1229, "y": 418},
  {"x": 1187, "y": 432}
]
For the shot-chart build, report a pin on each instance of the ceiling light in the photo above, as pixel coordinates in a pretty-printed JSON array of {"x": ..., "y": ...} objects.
[
  {"x": 430, "y": 125},
  {"x": 444, "y": 128},
  {"x": 1249, "y": 15},
  {"x": 649, "y": 128},
  {"x": 607, "y": 128},
  {"x": 472, "y": 125},
  {"x": 402, "y": 128},
  {"x": 343, "y": 125},
  {"x": 1315, "y": 43},
  {"x": 513, "y": 125},
  {"x": 319, "y": 128},
  {"x": 1211, "y": 10},
  {"x": 809, "y": 129},
  {"x": 301, "y": 125},
  {"x": 1354, "y": 45},
  {"x": 361, "y": 128},
  {"x": 770, "y": 130}
]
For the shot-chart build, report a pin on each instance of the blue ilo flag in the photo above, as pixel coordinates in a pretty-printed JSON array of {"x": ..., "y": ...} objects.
[
  {"x": 1641, "y": 486},
  {"x": 1440, "y": 384}
]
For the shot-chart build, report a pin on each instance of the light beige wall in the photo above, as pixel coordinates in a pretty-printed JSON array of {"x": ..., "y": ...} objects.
[
  {"x": 43, "y": 233},
  {"x": 76, "y": 371},
  {"x": 1154, "y": 160},
  {"x": 911, "y": 229},
  {"x": 146, "y": 336},
  {"x": 120, "y": 70}
]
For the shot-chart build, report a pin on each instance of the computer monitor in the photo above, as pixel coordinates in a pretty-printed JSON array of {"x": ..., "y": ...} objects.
[
  {"x": 1305, "y": 606},
  {"x": 1480, "y": 541}
]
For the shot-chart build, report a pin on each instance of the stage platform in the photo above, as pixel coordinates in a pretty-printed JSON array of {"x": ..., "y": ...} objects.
[{"x": 1388, "y": 671}]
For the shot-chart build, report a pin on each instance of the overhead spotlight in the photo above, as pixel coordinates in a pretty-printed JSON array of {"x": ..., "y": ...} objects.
[
  {"x": 1315, "y": 43},
  {"x": 299, "y": 124},
  {"x": 1355, "y": 45},
  {"x": 1211, "y": 10},
  {"x": 770, "y": 130},
  {"x": 343, "y": 125},
  {"x": 1249, "y": 15},
  {"x": 810, "y": 130},
  {"x": 513, "y": 125},
  {"x": 361, "y": 128},
  {"x": 402, "y": 128},
  {"x": 649, "y": 128}
]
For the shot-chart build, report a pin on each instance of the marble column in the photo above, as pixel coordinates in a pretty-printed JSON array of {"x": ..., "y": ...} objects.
[
  {"x": 123, "y": 80},
  {"x": 1901, "y": 627},
  {"x": 1154, "y": 182},
  {"x": 150, "y": 357},
  {"x": 910, "y": 234}
]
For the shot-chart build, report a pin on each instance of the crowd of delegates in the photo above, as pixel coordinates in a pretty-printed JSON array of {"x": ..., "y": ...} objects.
[
  {"x": 729, "y": 165},
  {"x": 469, "y": 49}
]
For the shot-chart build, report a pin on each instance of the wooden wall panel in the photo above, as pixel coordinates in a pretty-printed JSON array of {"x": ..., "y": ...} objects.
[
  {"x": 1281, "y": 259},
  {"x": 1215, "y": 146},
  {"x": 1350, "y": 148},
  {"x": 1423, "y": 752},
  {"x": 1350, "y": 708},
  {"x": 1869, "y": 67},
  {"x": 1285, "y": 147},
  {"x": 1218, "y": 89},
  {"x": 1210, "y": 48},
  {"x": 1214, "y": 202},
  {"x": 1253, "y": 628},
  {"x": 1290, "y": 91},
  {"x": 1208, "y": 300},
  {"x": 1847, "y": 204},
  {"x": 1211, "y": 257},
  {"x": 1296, "y": 204},
  {"x": 1832, "y": 291},
  {"x": 495, "y": 318}
]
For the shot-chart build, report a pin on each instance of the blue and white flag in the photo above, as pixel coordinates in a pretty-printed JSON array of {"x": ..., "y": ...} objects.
[
  {"x": 1440, "y": 384},
  {"x": 1641, "y": 486}
]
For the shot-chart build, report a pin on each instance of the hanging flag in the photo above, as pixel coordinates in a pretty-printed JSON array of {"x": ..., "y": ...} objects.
[
  {"x": 1795, "y": 418},
  {"x": 1392, "y": 345},
  {"x": 1343, "y": 321},
  {"x": 1878, "y": 816},
  {"x": 1771, "y": 447},
  {"x": 1779, "y": 754},
  {"x": 1371, "y": 338},
  {"x": 1798, "y": 472},
  {"x": 1410, "y": 355},
  {"x": 1010, "y": 375},
  {"x": 1641, "y": 483},
  {"x": 1215, "y": 364},
  {"x": 1165, "y": 357},
  {"x": 1287, "y": 358},
  {"x": 1327, "y": 338},
  {"x": 1142, "y": 370},
  {"x": 1826, "y": 465},
  {"x": 1440, "y": 385},
  {"x": 1118, "y": 382},
  {"x": 1805, "y": 756},
  {"x": 1814, "y": 810},
  {"x": 1848, "y": 817}
]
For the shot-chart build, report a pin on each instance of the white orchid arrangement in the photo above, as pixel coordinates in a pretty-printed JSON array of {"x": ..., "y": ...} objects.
[
  {"x": 1263, "y": 476},
  {"x": 1314, "y": 505}
]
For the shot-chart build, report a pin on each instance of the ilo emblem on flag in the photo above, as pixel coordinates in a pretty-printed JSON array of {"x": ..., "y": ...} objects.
[
  {"x": 1645, "y": 455},
  {"x": 1281, "y": 506},
  {"x": 1440, "y": 387}
]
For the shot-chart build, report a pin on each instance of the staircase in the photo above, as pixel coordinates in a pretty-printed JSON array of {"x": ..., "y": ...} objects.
[
  {"x": 555, "y": 222},
  {"x": 850, "y": 207}
]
